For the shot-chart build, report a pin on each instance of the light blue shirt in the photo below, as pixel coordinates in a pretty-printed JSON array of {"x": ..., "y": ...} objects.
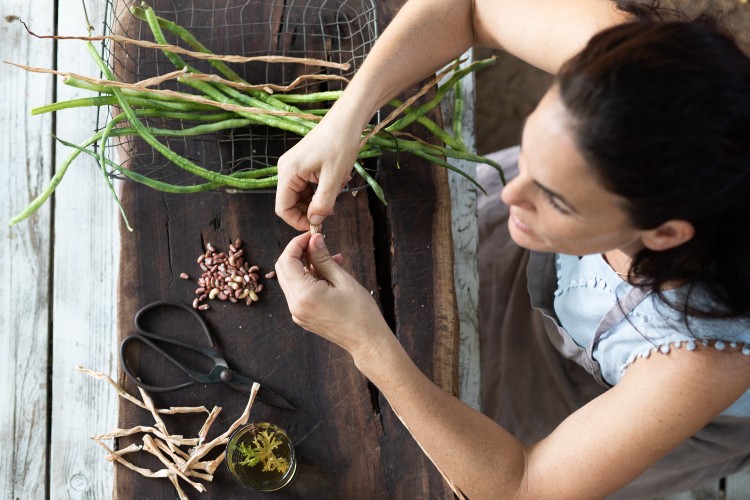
[{"x": 587, "y": 288}]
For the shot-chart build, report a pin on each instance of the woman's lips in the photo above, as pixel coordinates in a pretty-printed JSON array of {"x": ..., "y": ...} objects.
[{"x": 520, "y": 225}]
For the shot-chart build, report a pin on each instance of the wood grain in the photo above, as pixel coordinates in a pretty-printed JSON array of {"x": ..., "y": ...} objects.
[
  {"x": 86, "y": 253},
  {"x": 348, "y": 441},
  {"x": 465, "y": 234},
  {"x": 25, "y": 154}
]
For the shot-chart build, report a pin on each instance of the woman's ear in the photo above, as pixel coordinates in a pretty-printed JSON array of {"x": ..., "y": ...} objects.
[{"x": 670, "y": 234}]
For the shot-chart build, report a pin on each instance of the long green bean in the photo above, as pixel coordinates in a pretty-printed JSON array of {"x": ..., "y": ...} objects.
[
  {"x": 267, "y": 174},
  {"x": 222, "y": 93},
  {"x": 136, "y": 105},
  {"x": 103, "y": 162},
  {"x": 169, "y": 102},
  {"x": 158, "y": 146},
  {"x": 433, "y": 127},
  {"x": 401, "y": 123},
  {"x": 196, "y": 45}
]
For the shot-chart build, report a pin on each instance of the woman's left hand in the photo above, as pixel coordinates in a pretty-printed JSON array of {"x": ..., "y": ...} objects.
[{"x": 325, "y": 299}]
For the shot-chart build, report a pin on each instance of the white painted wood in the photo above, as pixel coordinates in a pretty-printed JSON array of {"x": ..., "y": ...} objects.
[
  {"x": 465, "y": 246},
  {"x": 738, "y": 486},
  {"x": 710, "y": 492},
  {"x": 86, "y": 258},
  {"x": 25, "y": 153}
]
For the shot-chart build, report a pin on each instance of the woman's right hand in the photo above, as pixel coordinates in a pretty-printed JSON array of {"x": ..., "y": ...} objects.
[
  {"x": 324, "y": 157},
  {"x": 325, "y": 299}
]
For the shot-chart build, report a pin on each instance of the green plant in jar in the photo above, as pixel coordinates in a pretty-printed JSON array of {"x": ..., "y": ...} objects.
[
  {"x": 261, "y": 456},
  {"x": 261, "y": 451}
]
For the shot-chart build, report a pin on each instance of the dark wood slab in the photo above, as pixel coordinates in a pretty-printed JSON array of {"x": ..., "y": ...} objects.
[{"x": 348, "y": 441}]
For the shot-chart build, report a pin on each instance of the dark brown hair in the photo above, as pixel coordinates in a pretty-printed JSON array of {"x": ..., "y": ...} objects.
[{"x": 660, "y": 108}]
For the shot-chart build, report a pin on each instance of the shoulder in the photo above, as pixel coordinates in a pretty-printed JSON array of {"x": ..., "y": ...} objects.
[
  {"x": 544, "y": 33},
  {"x": 704, "y": 375}
]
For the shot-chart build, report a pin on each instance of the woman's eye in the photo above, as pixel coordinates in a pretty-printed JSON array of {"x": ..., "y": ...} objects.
[{"x": 553, "y": 201}]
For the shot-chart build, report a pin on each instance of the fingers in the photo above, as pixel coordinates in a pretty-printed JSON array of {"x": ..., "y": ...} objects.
[
  {"x": 291, "y": 196},
  {"x": 321, "y": 206},
  {"x": 338, "y": 259},
  {"x": 326, "y": 267},
  {"x": 290, "y": 268}
]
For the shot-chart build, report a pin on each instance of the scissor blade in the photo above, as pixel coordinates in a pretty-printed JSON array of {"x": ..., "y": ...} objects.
[
  {"x": 243, "y": 384},
  {"x": 270, "y": 397}
]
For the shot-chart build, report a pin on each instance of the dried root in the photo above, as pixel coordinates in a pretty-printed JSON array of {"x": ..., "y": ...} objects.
[{"x": 179, "y": 464}]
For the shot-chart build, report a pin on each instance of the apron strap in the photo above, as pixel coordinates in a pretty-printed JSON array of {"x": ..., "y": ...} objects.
[{"x": 618, "y": 311}]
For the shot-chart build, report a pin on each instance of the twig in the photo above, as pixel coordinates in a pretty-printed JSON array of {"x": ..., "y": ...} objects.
[
  {"x": 197, "y": 55},
  {"x": 125, "y": 395},
  {"x": 392, "y": 116},
  {"x": 167, "y": 93}
]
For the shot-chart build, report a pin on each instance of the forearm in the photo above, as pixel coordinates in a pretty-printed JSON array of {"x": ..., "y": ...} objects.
[
  {"x": 427, "y": 34},
  {"x": 480, "y": 457},
  {"x": 407, "y": 52}
]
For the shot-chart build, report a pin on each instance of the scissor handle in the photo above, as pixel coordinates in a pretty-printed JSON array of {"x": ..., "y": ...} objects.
[
  {"x": 214, "y": 376},
  {"x": 166, "y": 303},
  {"x": 148, "y": 338}
]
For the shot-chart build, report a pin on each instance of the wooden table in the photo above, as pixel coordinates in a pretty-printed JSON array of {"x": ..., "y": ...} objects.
[
  {"x": 348, "y": 442},
  {"x": 58, "y": 305},
  {"x": 67, "y": 313}
]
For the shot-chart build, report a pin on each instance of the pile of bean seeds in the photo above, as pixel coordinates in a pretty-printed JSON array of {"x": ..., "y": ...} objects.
[{"x": 227, "y": 276}]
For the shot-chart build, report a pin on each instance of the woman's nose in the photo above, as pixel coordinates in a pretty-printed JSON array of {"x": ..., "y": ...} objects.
[{"x": 516, "y": 192}]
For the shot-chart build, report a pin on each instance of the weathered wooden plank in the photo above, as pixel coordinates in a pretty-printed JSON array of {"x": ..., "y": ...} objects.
[
  {"x": 85, "y": 255},
  {"x": 738, "y": 486},
  {"x": 25, "y": 153},
  {"x": 709, "y": 492},
  {"x": 465, "y": 233},
  {"x": 347, "y": 447},
  {"x": 416, "y": 240},
  {"x": 333, "y": 416},
  {"x": 343, "y": 449}
]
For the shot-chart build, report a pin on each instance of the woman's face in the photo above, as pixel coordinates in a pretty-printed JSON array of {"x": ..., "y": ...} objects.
[{"x": 557, "y": 203}]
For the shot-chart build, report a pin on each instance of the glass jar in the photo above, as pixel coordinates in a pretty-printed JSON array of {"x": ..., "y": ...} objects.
[{"x": 260, "y": 456}]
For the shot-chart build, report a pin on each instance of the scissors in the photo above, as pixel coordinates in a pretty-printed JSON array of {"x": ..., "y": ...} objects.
[{"x": 220, "y": 372}]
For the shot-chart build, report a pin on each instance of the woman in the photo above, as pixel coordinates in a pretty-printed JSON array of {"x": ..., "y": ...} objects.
[{"x": 633, "y": 196}]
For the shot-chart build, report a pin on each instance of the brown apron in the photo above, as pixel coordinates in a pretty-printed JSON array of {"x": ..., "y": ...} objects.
[{"x": 534, "y": 374}]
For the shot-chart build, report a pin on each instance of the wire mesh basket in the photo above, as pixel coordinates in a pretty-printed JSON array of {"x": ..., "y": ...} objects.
[{"x": 337, "y": 31}]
